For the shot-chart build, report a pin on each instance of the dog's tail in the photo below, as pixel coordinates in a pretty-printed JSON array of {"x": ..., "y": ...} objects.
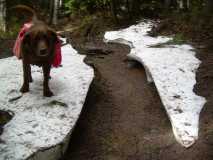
[{"x": 27, "y": 9}]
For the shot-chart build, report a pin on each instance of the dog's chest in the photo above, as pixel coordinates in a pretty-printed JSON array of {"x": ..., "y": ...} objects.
[{"x": 34, "y": 60}]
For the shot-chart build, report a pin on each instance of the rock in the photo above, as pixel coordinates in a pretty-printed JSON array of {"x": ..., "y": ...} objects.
[
  {"x": 5, "y": 117},
  {"x": 41, "y": 127}
]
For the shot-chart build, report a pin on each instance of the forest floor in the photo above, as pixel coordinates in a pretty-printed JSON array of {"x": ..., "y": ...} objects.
[{"x": 123, "y": 117}]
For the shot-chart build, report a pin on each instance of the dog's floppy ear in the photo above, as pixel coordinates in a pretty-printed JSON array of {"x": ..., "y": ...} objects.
[
  {"x": 26, "y": 40},
  {"x": 26, "y": 45},
  {"x": 53, "y": 36}
]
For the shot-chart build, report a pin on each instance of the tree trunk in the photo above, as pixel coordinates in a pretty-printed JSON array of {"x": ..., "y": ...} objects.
[
  {"x": 55, "y": 12},
  {"x": 188, "y": 4},
  {"x": 51, "y": 6},
  {"x": 128, "y": 9},
  {"x": 60, "y": 3},
  {"x": 167, "y": 4},
  {"x": 183, "y": 4},
  {"x": 114, "y": 10},
  {"x": 209, "y": 5},
  {"x": 136, "y": 7},
  {"x": 3, "y": 15}
]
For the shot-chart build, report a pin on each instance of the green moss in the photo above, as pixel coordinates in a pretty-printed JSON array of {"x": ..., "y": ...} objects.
[{"x": 178, "y": 39}]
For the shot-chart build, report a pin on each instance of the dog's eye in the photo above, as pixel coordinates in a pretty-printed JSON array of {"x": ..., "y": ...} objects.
[
  {"x": 37, "y": 38},
  {"x": 45, "y": 37}
]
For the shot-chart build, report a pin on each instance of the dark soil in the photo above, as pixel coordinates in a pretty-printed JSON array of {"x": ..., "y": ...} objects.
[
  {"x": 6, "y": 46},
  {"x": 5, "y": 117},
  {"x": 123, "y": 117},
  {"x": 201, "y": 37},
  {"x": 204, "y": 86}
]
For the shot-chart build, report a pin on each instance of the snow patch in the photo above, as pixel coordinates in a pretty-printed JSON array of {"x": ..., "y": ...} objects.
[
  {"x": 41, "y": 127},
  {"x": 172, "y": 69}
]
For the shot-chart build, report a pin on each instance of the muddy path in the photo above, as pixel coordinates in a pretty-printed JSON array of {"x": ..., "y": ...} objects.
[{"x": 123, "y": 117}]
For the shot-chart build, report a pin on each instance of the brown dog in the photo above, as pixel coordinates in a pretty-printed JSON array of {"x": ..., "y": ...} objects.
[{"x": 37, "y": 48}]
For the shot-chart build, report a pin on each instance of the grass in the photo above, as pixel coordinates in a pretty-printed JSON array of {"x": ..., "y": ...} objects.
[{"x": 178, "y": 39}]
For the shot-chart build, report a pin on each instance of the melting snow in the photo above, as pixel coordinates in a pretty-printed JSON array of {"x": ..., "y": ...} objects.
[
  {"x": 172, "y": 69},
  {"x": 41, "y": 127}
]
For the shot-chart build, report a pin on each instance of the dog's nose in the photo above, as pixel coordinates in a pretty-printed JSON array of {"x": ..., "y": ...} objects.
[{"x": 43, "y": 52}]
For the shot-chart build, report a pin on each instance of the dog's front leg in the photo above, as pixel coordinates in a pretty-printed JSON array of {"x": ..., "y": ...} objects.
[
  {"x": 30, "y": 75},
  {"x": 26, "y": 71},
  {"x": 46, "y": 71}
]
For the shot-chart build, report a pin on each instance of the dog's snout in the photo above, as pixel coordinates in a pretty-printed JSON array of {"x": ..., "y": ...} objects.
[
  {"x": 43, "y": 52},
  {"x": 42, "y": 49}
]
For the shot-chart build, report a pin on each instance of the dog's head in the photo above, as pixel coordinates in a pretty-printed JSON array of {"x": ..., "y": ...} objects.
[{"x": 40, "y": 42}]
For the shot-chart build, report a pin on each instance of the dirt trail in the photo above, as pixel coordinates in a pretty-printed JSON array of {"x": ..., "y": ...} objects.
[{"x": 123, "y": 118}]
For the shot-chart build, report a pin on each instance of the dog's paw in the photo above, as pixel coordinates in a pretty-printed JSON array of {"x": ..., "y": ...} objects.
[
  {"x": 48, "y": 93},
  {"x": 24, "y": 89}
]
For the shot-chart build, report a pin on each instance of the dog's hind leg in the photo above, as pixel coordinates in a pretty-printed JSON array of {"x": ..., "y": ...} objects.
[
  {"x": 46, "y": 71},
  {"x": 26, "y": 71}
]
